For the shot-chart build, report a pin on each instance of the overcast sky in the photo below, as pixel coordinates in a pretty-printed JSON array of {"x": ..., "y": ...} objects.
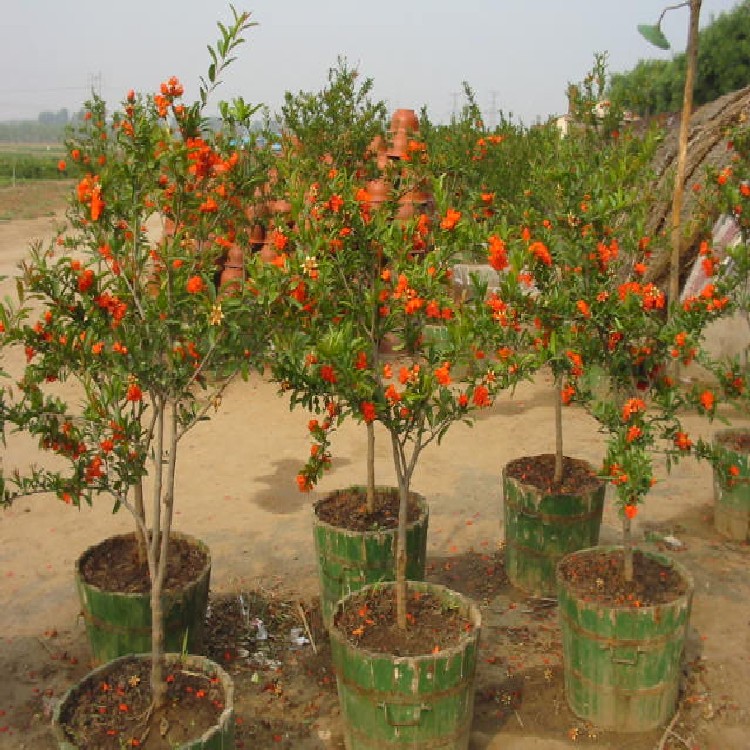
[{"x": 518, "y": 56}]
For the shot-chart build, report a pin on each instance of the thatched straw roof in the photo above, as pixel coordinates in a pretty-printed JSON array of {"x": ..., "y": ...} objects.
[{"x": 707, "y": 145}]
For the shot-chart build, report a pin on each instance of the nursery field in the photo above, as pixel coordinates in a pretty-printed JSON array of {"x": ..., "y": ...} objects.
[
  {"x": 32, "y": 199},
  {"x": 237, "y": 492}
]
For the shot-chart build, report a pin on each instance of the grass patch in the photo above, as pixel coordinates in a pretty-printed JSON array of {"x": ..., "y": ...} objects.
[{"x": 34, "y": 199}]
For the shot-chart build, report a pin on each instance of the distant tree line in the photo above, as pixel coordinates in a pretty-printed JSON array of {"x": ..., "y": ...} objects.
[
  {"x": 49, "y": 127},
  {"x": 656, "y": 86}
]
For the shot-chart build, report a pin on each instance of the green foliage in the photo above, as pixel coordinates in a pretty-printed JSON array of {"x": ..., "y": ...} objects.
[
  {"x": 485, "y": 171},
  {"x": 36, "y": 165},
  {"x": 338, "y": 122},
  {"x": 727, "y": 193}
]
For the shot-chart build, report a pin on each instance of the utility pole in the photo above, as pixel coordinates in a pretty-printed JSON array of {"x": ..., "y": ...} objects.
[
  {"x": 493, "y": 110},
  {"x": 455, "y": 95}
]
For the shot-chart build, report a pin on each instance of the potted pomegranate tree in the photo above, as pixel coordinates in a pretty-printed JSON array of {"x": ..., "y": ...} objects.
[
  {"x": 360, "y": 276},
  {"x": 129, "y": 344}
]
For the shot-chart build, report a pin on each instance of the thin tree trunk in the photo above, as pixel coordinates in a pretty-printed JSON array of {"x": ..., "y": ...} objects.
[
  {"x": 140, "y": 536},
  {"x": 558, "y": 430},
  {"x": 158, "y": 685},
  {"x": 403, "y": 492},
  {"x": 627, "y": 537},
  {"x": 375, "y": 358},
  {"x": 370, "y": 468}
]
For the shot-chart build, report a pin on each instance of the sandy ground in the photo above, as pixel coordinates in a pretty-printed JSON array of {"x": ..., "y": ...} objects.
[{"x": 236, "y": 491}]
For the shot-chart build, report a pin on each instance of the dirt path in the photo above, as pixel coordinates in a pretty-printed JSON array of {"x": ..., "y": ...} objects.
[{"x": 236, "y": 491}]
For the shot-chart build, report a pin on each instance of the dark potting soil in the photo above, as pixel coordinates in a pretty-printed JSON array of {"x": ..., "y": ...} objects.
[
  {"x": 113, "y": 565},
  {"x": 737, "y": 441},
  {"x": 598, "y": 576},
  {"x": 539, "y": 472},
  {"x": 369, "y": 621},
  {"x": 347, "y": 509},
  {"x": 113, "y": 713}
]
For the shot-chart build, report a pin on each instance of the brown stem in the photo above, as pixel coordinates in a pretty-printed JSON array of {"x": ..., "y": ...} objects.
[
  {"x": 140, "y": 535},
  {"x": 403, "y": 492},
  {"x": 558, "y": 430},
  {"x": 627, "y": 536},
  {"x": 370, "y": 468},
  {"x": 158, "y": 684}
]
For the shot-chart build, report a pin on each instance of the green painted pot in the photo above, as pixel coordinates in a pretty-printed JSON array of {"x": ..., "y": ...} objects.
[
  {"x": 119, "y": 624},
  {"x": 348, "y": 560},
  {"x": 218, "y": 737},
  {"x": 732, "y": 498},
  {"x": 622, "y": 664},
  {"x": 540, "y": 529},
  {"x": 419, "y": 702}
]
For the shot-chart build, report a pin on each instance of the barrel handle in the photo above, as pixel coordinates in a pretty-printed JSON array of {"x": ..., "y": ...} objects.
[
  {"x": 629, "y": 662},
  {"x": 417, "y": 717}
]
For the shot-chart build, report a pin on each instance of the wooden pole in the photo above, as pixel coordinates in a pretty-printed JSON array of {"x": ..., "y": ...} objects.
[{"x": 691, "y": 56}]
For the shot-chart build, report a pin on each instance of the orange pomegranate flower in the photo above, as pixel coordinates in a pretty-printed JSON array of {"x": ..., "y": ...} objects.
[
  {"x": 368, "y": 411},
  {"x": 631, "y": 511},
  {"x": 450, "y": 219},
  {"x": 303, "y": 483},
  {"x": 392, "y": 395},
  {"x": 682, "y": 441},
  {"x": 361, "y": 362},
  {"x": 481, "y": 397},
  {"x": 707, "y": 400},
  {"x": 497, "y": 253},
  {"x": 540, "y": 251},
  {"x": 443, "y": 374},
  {"x": 328, "y": 374},
  {"x": 97, "y": 204},
  {"x": 633, "y": 434},
  {"x": 134, "y": 393},
  {"x": 632, "y": 406},
  {"x": 195, "y": 285}
]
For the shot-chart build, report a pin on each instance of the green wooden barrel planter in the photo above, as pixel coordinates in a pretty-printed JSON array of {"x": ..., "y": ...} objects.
[
  {"x": 348, "y": 560},
  {"x": 732, "y": 493},
  {"x": 220, "y": 736},
  {"x": 120, "y": 623},
  {"x": 541, "y": 528},
  {"x": 421, "y": 702},
  {"x": 622, "y": 664}
]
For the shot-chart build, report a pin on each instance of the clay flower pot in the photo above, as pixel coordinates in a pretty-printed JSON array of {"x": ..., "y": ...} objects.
[
  {"x": 378, "y": 190},
  {"x": 411, "y": 203},
  {"x": 234, "y": 267},
  {"x": 398, "y": 149},
  {"x": 406, "y": 120}
]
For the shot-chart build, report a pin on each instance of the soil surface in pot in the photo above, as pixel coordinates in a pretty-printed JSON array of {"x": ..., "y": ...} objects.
[
  {"x": 369, "y": 621},
  {"x": 347, "y": 509},
  {"x": 539, "y": 472},
  {"x": 114, "y": 713},
  {"x": 739, "y": 441},
  {"x": 598, "y": 576},
  {"x": 113, "y": 565}
]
